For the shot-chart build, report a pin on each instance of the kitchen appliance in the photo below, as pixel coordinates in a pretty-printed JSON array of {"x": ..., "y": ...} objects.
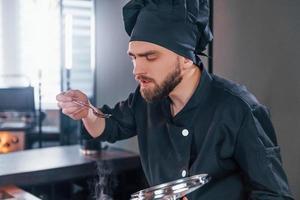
[{"x": 11, "y": 141}]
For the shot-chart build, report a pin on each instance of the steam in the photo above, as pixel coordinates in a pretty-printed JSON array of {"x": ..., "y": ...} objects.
[{"x": 105, "y": 183}]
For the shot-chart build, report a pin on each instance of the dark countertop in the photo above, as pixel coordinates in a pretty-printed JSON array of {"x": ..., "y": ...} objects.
[{"x": 38, "y": 166}]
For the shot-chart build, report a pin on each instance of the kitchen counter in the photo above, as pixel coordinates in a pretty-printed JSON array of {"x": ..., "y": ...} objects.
[{"x": 45, "y": 165}]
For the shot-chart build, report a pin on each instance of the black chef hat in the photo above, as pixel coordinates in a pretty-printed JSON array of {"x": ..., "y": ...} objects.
[{"x": 178, "y": 25}]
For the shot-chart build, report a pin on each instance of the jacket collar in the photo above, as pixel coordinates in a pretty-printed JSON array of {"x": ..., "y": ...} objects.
[{"x": 198, "y": 99}]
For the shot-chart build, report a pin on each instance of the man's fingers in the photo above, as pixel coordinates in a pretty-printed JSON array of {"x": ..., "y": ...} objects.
[
  {"x": 63, "y": 97},
  {"x": 69, "y": 95},
  {"x": 74, "y": 94},
  {"x": 75, "y": 112},
  {"x": 71, "y": 110},
  {"x": 79, "y": 114},
  {"x": 68, "y": 104},
  {"x": 184, "y": 198}
]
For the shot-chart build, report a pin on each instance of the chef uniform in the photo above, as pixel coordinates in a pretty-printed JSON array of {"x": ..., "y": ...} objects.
[{"x": 222, "y": 130}]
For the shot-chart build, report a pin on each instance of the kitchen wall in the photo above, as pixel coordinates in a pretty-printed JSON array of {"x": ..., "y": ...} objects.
[
  {"x": 114, "y": 79},
  {"x": 256, "y": 43}
]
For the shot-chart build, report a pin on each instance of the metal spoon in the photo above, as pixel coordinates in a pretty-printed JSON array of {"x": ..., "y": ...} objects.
[{"x": 95, "y": 112}]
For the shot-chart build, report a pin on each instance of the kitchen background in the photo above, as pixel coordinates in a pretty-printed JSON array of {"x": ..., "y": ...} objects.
[{"x": 81, "y": 44}]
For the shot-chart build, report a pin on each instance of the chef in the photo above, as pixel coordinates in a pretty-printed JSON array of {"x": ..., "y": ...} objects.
[{"x": 187, "y": 121}]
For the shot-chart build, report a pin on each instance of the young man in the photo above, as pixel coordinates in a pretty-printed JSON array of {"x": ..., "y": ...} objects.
[{"x": 187, "y": 121}]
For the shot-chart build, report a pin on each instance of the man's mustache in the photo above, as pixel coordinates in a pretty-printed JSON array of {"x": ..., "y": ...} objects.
[{"x": 143, "y": 78}]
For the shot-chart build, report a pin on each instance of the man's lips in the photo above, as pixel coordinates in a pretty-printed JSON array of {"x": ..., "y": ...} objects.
[
  {"x": 143, "y": 80},
  {"x": 144, "y": 83}
]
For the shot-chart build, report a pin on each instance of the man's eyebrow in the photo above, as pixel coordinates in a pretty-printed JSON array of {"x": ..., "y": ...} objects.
[{"x": 148, "y": 53}]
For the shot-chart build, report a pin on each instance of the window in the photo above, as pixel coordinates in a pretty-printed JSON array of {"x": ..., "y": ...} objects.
[
  {"x": 1, "y": 55},
  {"x": 31, "y": 39},
  {"x": 40, "y": 47},
  {"x": 82, "y": 48},
  {"x": 33, "y": 44}
]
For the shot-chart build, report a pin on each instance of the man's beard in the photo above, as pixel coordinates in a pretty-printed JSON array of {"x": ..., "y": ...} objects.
[{"x": 163, "y": 90}]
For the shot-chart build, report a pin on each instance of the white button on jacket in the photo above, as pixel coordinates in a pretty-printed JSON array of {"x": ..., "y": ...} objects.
[{"x": 185, "y": 132}]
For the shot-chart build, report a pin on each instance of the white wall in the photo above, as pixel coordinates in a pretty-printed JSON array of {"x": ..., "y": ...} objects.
[{"x": 256, "y": 43}]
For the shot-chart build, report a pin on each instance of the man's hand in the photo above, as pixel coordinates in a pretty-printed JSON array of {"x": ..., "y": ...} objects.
[
  {"x": 71, "y": 109},
  {"x": 184, "y": 198}
]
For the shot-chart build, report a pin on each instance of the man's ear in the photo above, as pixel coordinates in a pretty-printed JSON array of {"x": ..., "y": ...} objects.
[{"x": 187, "y": 63}]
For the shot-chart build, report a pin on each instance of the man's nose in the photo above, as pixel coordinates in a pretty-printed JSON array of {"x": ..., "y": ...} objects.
[{"x": 138, "y": 67}]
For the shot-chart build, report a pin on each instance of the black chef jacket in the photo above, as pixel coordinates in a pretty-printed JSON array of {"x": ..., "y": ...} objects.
[{"x": 222, "y": 131}]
